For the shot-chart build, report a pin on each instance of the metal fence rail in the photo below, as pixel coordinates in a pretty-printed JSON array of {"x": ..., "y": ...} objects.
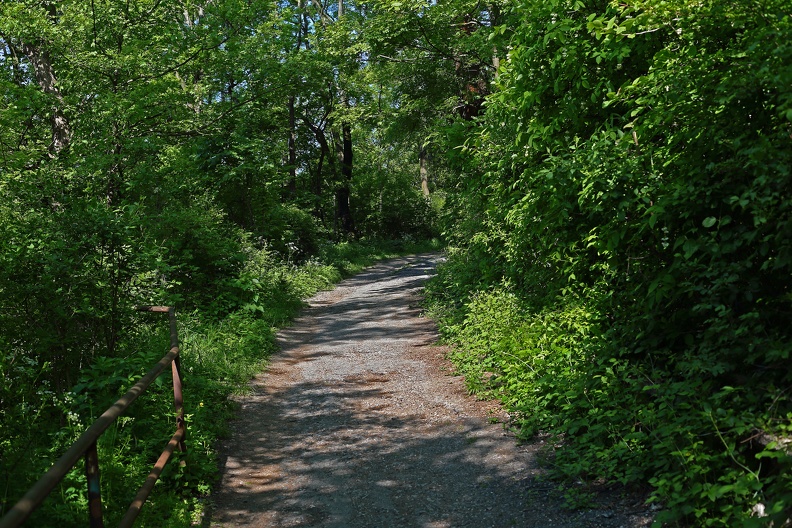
[{"x": 85, "y": 446}]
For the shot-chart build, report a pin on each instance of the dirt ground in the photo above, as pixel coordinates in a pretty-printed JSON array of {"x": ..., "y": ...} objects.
[{"x": 359, "y": 422}]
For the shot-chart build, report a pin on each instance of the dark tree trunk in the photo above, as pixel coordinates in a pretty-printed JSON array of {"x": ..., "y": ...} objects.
[
  {"x": 325, "y": 154},
  {"x": 342, "y": 194}
]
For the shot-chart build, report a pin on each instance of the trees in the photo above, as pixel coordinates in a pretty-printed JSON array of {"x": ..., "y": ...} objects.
[
  {"x": 155, "y": 152},
  {"x": 620, "y": 171},
  {"x": 634, "y": 166},
  {"x": 144, "y": 145}
]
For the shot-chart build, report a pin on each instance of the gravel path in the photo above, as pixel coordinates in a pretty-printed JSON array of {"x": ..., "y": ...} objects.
[{"x": 357, "y": 422}]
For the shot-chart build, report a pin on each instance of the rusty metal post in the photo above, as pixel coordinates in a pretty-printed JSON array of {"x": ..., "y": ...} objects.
[
  {"x": 36, "y": 495},
  {"x": 94, "y": 487},
  {"x": 178, "y": 397},
  {"x": 85, "y": 446},
  {"x": 140, "y": 499},
  {"x": 181, "y": 425}
]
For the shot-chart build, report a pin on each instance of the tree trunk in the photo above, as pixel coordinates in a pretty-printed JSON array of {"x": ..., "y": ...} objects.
[
  {"x": 45, "y": 76},
  {"x": 343, "y": 192},
  {"x": 424, "y": 172},
  {"x": 292, "y": 185},
  {"x": 291, "y": 189},
  {"x": 325, "y": 154},
  {"x": 317, "y": 186}
]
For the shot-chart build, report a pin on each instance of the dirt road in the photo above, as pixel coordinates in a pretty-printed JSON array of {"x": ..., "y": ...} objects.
[{"x": 358, "y": 423}]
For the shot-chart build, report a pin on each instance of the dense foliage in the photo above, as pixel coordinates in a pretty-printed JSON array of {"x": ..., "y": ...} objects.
[
  {"x": 623, "y": 274},
  {"x": 613, "y": 179},
  {"x": 196, "y": 154}
]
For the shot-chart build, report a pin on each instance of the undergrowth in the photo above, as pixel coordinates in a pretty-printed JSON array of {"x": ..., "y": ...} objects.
[
  {"x": 224, "y": 344},
  {"x": 713, "y": 454}
]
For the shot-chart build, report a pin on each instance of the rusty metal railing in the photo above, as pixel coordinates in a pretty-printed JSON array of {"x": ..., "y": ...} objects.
[{"x": 85, "y": 446}]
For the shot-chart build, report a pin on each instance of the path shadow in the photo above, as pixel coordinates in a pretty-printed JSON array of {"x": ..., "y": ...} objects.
[
  {"x": 332, "y": 441},
  {"x": 409, "y": 472}
]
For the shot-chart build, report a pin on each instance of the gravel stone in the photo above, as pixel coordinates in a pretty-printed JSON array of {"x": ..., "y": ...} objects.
[{"x": 359, "y": 422}]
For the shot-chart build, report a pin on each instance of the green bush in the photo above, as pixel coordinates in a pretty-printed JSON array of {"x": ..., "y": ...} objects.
[
  {"x": 626, "y": 206},
  {"x": 635, "y": 245}
]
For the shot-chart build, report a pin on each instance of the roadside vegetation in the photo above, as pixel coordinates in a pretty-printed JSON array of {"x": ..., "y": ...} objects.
[
  {"x": 226, "y": 158},
  {"x": 620, "y": 266},
  {"x": 220, "y": 355},
  {"x": 612, "y": 179}
]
